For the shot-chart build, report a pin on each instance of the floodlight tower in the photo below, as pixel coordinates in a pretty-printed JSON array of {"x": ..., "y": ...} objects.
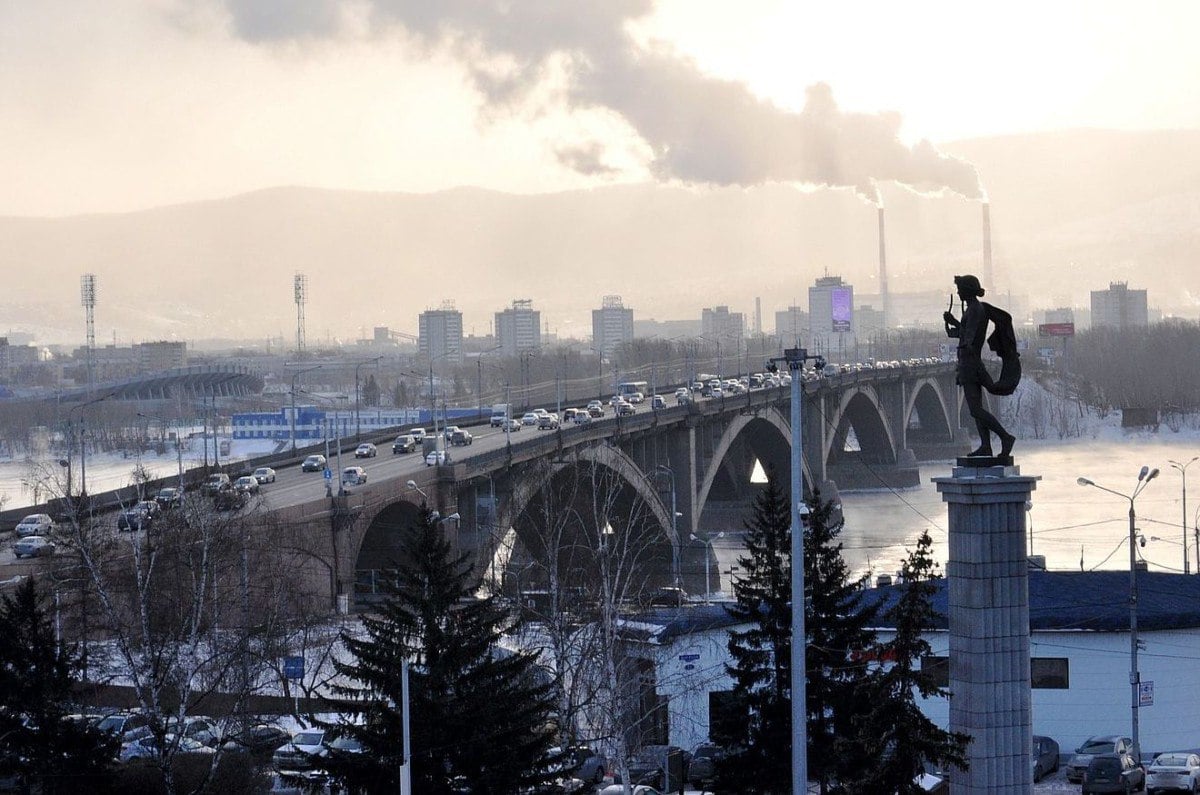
[
  {"x": 300, "y": 285},
  {"x": 87, "y": 297}
]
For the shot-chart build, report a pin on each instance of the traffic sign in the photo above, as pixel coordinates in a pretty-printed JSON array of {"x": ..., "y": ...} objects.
[
  {"x": 1145, "y": 694},
  {"x": 293, "y": 667},
  {"x": 328, "y": 473}
]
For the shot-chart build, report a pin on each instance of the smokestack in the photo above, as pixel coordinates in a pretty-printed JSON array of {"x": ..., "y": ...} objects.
[
  {"x": 883, "y": 285},
  {"x": 987, "y": 247}
]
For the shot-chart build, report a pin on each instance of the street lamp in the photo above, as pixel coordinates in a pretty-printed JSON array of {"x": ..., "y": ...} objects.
[
  {"x": 296, "y": 375},
  {"x": 412, "y": 484},
  {"x": 357, "y": 424},
  {"x": 1144, "y": 477},
  {"x": 1183, "y": 471},
  {"x": 708, "y": 548},
  {"x": 82, "y": 443}
]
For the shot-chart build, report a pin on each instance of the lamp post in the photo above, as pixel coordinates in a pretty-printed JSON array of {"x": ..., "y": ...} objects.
[
  {"x": 674, "y": 524},
  {"x": 357, "y": 423},
  {"x": 1183, "y": 472},
  {"x": 296, "y": 375},
  {"x": 794, "y": 358},
  {"x": 82, "y": 443},
  {"x": 1144, "y": 477}
]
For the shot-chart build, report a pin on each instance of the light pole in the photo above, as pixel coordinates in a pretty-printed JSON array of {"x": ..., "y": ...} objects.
[
  {"x": 795, "y": 358},
  {"x": 296, "y": 375},
  {"x": 357, "y": 424},
  {"x": 674, "y": 524},
  {"x": 1144, "y": 477},
  {"x": 1183, "y": 471},
  {"x": 82, "y": 443}
]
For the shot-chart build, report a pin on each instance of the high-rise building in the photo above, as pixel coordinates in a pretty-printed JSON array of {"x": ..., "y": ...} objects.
[
  {"x": 519, "y": 328},
  {"x": 830, "y": 307},
  {"x": 440, "y": 333},
  {"x": 153, "y": 356},
  {"x": 1119, "y": 306},
  {"x": 612, "y": 325},
  {"x": 790, "y": 323},
  {"x": 718, "y": 324}
]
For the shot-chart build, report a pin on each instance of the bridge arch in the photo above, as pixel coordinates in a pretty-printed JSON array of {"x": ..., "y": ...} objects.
[
  {"x": 860, "y": 409},
  {"x": 929, "y": 405},
  {"x": 769, "y": 439}
]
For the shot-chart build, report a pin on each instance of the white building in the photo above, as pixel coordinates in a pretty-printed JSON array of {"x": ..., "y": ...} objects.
[
  {"x": 612, "y": 325},
  {"x": 1120, "y": 307},
  {"x": 440, "y": 333},
  {"x": 1079, "y": 645},
  {"x": 519, "y": 328}
]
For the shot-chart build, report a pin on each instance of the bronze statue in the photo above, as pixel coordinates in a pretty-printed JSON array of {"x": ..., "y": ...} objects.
[{"x": 972, "y": 376}]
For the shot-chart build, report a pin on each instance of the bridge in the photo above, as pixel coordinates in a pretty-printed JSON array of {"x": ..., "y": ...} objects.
[
  {"x": 194, "y": 382},
  {"x": 649, "y": 482}
]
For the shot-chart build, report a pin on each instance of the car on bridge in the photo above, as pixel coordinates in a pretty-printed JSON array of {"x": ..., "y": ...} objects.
[
  {"x": 33, "y": 546},
  {"x": 354, "y": 476},
  {"x": 228, "y": 498},
  {"x": 248, "y": 484},
  {"x": 417, "y": 433},
  {"x": 264, "y": 475},
  {"x": 366, "y": 450},
  {"x": 548, "y": 421},
  {"x": 658, "y": 402},
  {"x": 514, "y": 425},
  {"x": 595, "y": 408},
  {"x": 35, "y": 524},
  {"x": 582, "y": 418},
  {"x": 169, "y": 497},
  {"x": 530, "y": 419},
  {"x": 404, "y": 444},
  {"x": 461, "y": 437},
  {"x": 215, "y": 482},
  {"x": 437, "y": 457},
  {"x": 448, "y": 431},
  {"x": 625, "y": 408},
  {"x": 314, "y": 463}
]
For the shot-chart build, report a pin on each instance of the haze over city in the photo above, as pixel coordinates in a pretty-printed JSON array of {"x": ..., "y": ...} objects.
[{"x": 194, "y": 156}]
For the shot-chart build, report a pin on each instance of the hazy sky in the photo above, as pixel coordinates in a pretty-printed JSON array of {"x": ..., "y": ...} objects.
[{"x": 111, "y": 105}]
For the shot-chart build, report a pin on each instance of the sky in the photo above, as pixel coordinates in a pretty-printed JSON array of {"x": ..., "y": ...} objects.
[{"x": 119, "y": 105}]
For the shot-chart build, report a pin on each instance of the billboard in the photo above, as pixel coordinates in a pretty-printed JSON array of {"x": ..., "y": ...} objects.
[
  {"x": 1056, "y": 330},
  {"x": 841, "y": 303}
]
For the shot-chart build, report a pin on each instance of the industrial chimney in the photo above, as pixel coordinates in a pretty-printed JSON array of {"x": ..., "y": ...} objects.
[
  {"x": 987, "y": 247},
  {"x": 883, "y": 284}
]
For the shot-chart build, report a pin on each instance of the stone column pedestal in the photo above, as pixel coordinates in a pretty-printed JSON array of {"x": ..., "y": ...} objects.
[{"x": 988, "y": 578}]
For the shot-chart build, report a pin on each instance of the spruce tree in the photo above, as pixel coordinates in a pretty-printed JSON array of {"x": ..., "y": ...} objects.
[
  {"x": 903, "y": 739},
  {"x": 37, "y": 678},
  {"x": 761, "y": 654},
  {"x": 478, "y": 713}
]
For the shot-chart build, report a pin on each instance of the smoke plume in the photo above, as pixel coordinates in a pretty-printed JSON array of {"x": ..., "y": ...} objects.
[{"x": 697, "y": 128}]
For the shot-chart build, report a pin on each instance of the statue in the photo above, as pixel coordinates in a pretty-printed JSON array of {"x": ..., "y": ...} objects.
[{"x": 972, "y": 376}]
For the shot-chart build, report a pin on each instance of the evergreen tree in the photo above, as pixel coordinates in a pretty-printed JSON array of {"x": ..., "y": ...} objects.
[
  {"x": 902, "y": 737},
  {"x": 36, "y": 681},
  {"x": 837, "y": 626},
  {"x": 370, "y": 391},
  {"x": 478, "y": 713},
  {"x": 761, "y": 654}
]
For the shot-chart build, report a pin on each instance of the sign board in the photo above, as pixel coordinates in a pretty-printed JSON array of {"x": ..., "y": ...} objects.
[
  {"x": 328, "y": 473},
  {"x": 1056, "y": 330},
  {"x": 1145, "y": 694},
  {"x": 689, "y": 657},
  {"x": 841, "y": 304},
  {"x": 293, "y": 667},
  {"x": 1047, "y": 353}
]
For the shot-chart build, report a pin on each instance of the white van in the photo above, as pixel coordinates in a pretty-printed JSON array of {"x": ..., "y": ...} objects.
[{"x": 499, "y": 415}]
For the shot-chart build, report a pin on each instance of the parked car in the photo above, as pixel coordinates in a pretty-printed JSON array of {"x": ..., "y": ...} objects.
[
  {"x": 169, "y": 497},
  {"x": 123, "y": 724},
  {"x": 1045, "y": 757},
  {"x": 35, "y": 524},
  {"x": 366, "y": 450},
  {"x": 548, "y": 421},
  {"x": 461, "y": 437},
  {"x": 248, "y": 484},
  {"x": 529, "y": 419},
  {"x": 314, "y": 463},
  {"x": 264, "y": 475},
  {"x": 418, "y": 434},
  {"x": 638, "y": 789},
  {"x": 435, "y": 458},
  {"x": 299, "y": 752},
  {"x": 404, "y": 444},
  {"x": 33, "y": 547},
  {"x": 667, "y": 596},
  {"x": 648, "y": 765},
  {"x": 262, "y": 739},
  {"x": 197, "y": 727},
  {"x": 580, "y": 762},
  {"x": 1108, "y": 773},
  {"x": 230, "y": 499},
  {"x": 703, "y": 766},
  {"x": 1100, "y": 744},
  {"x": 1174, "y": 771},
  {"x": 139, "y": 517},
  {"x": 214, "y": 482},
  {"x": 146, "y": 747},
  {"x": 354, "y": 476}
]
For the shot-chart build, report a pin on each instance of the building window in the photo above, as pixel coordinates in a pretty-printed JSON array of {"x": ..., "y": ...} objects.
[
  {"x": 1050, "y": 673},
  {"x": 938, "y": 669}
]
